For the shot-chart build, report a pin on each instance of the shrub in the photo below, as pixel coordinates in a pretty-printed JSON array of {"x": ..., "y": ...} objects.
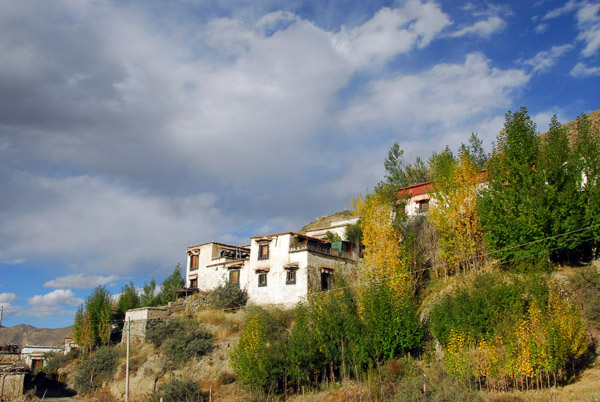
[
  {"x": 97, "y": 369},
  {"x": 180, "y": 339},
  {"x": 179, "y": 391},
  {"x": 228, "y": 296},
  {"x": 54, "y": 361},
  {"x": 587, "y": 284},
  {"x": 258, "y": 360},
  {"x": 479, "y": 306}
]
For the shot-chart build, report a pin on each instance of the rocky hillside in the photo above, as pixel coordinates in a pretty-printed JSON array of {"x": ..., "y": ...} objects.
[{"x": 23, "y": 334}]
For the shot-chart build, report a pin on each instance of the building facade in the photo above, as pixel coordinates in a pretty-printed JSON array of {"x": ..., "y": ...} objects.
[{"x": 277, "y": 269}]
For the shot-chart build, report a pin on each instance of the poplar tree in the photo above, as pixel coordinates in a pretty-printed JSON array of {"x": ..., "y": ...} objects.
[{"x": 513, "y": 211}]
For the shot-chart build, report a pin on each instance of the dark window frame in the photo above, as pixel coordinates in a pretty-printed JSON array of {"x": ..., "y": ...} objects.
[
  {"x": 290, "y": 273},
  {"x": 262, "y": 255},
  {"x": 194, "y": 283},
  {"x": 231, "y": 274},
  {"x": 194, "y": 258},
  {"x": 262, "y": 275}
]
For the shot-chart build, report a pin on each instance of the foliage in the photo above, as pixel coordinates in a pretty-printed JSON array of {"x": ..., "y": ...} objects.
[
  {"x": 331, "y": 237},
  {"x": 228, "y": 296},
  {"x": 392, "y": 326},
  {"x": 258, "y": 358},
  {"x": 510, "y": 334},
  {"x": 383, "y": 258},
  {"x": 587, "y": 285},
  {"x": 512, "y": 208},
  {"x": 149, "y": 296},
  {"x": 478, "y": 306},
  {"x": 128, "y": 299},
  {"x": 179, "y": 390},
  {"x": 454, "y": 213},
  {"x": 98, "y": 369},
  {"x": 400, "y": 175},
  {"x": 173, "y": 281},
  {"x": 541, "y": 194},
  {"x": 180, "y": 339},
  {"x": 54, "y": 361},
  {"x": 93, "y": 320}
]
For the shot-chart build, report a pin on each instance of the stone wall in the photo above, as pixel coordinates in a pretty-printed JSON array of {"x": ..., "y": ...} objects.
[{"x": 12, "y": 380}]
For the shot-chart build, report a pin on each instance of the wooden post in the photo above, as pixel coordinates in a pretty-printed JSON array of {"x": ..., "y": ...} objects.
[{"x": 127, "y": 364}]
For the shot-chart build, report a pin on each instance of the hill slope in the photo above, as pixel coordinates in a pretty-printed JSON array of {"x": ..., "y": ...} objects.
[{"x": 23, "y": 334}]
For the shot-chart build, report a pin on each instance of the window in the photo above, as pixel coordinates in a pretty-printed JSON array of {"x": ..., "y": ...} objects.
[
  {"x": 422, "y": 206},
  {"x": 234, "y": 277},
  {"x": 325, "y": 280},
  {"x": 263, "y": 252},
  {"x": 194, "y": 262},
  {"x": 262, "y": 280},
  {"x": 290, "y": 277},
  {"x": 194, "y": 283}
]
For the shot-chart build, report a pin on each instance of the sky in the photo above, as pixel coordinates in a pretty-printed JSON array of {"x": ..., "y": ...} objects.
[{"x": 132, "y": 129}]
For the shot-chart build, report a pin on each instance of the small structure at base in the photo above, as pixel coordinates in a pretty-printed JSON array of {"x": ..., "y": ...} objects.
[
  {"x": 70, "y": 344},
  {"x": 141, "y": 319},
  {"x": 35, "y": 356},
  {"x": 12, "y": 382}
]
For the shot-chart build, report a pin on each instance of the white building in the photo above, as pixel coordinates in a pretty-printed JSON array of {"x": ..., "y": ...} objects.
[
  {"x": 35, "y": 356},
  {"x": 274, "y": 269}
]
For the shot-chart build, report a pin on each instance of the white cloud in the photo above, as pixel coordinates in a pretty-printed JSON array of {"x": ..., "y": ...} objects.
[
  {"x": 544, "y": 60},
  {"x": 581, "y": 70},
  {"x": 588, "y": 23},
  {"x": 80, "y": 281},
  {"x": 390, "y": 32},
  {"x": 103, "y": 226},
  {"x": 541, "y": 28},
  {"x": 588, "y": 20},
  {"x": 446, "y": 94},
  {"x": 484, "y": 28},
  {"x": 7, "y": 297},
  {"x": 55, "y": 298}
]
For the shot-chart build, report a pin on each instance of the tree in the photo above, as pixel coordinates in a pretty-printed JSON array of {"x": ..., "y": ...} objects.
[
  {"x": 454, "y": 213},
  {"x": 173, "y": 281},
  {"x": 587, "y": 157},
  {"x": 400, "y": 175},
  {"x": 383, "y": 259},
  {"x": 128, "y": 299},
  {"x": 93, "y": 320},
  {"x": 149, "y": 297},
  {"x": 513, "y": 211}
]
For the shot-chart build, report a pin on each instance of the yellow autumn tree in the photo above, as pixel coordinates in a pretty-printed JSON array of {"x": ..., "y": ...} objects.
[
  {"x": 454, "y": 212},
  {"x": 383, "y": 259}
]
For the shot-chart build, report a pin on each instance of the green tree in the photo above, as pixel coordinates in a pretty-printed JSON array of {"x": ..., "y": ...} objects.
[
  {"x": 513, "y": 209},
  {"x": 92, "y": 325},
  {"x": 128, "y": 299},
  {"x": 173, "y": 281},
  {"x": 149, "y": 296},
  {"x": 398, "y": 174}
]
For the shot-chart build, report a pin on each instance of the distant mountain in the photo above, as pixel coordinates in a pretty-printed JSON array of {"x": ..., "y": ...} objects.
[{"x": 23, "y": 334}]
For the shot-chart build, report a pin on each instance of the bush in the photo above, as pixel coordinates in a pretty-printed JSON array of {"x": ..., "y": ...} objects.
[
  {"x": 258, "y": 360},
  {"x": 97, "y": 369},
  {"x": 179, "y": 391},
  {"x": 478, "y": 306},
  {"x": 180, "y": 339},
  {"x": 54, "y": 361},
  {"x": 587, "y": 284},
  {"x": 228, "y": 296}
]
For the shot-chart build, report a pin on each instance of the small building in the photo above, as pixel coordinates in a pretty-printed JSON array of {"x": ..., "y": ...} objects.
[
  {"x": 138, "y": 321},
  {"x": 280, "y": 269},
  {"x": 12, "y": 382},
  {"x": 70, "y": 345},
  {"x": 34, "y": 356}
]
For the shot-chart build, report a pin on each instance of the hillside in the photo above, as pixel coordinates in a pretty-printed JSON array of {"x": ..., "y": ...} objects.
[{"x": 23, "y": 334}]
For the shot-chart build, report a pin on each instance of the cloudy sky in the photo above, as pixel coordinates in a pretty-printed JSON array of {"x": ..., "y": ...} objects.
[{"x": 131, "y": 129}]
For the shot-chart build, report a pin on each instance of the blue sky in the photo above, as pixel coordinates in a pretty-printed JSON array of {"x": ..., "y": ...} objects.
[{"x": 132, "y": 129}]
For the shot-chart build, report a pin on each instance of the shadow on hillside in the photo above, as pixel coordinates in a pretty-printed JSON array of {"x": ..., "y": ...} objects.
[{"x": 43, "y": 385}]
